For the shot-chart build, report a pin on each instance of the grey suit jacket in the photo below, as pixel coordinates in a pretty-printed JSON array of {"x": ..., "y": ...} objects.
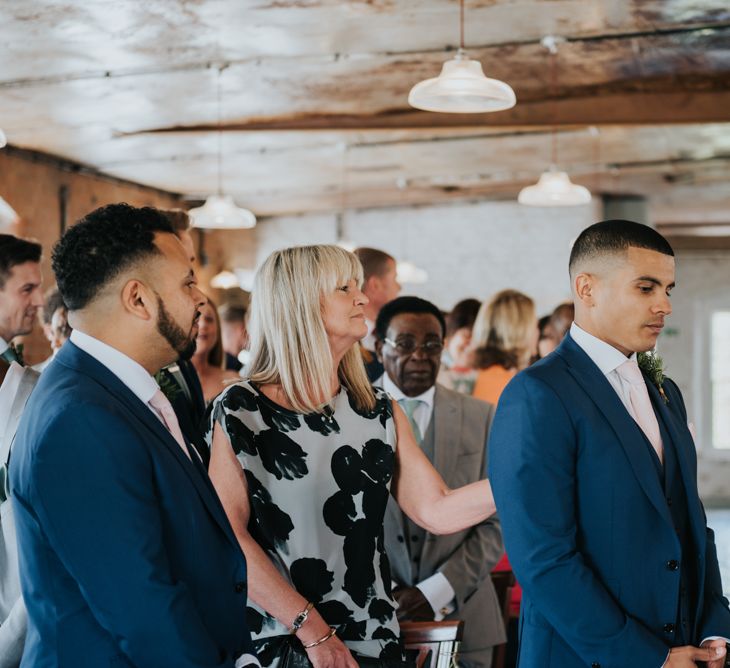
[{"x": 455, "y": 441}]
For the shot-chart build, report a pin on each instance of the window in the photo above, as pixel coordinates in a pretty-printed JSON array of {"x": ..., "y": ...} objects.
[{"x": 720, "y": 378}]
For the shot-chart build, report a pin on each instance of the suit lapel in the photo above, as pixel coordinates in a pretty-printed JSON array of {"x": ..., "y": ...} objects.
[
  {"x": 596, "y": 386},
  {"x": 74, "y": 357},
  {"x": 446, "y": 419},
  {"x": 681, "y": 440}
]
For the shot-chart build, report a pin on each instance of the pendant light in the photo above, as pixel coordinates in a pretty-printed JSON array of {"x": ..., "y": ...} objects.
[
  {"x": 554, "y": 187},
  {"x": 462, "y": 88},
  {"x": 220, "y": 211},
  {"x": 3, "y": 138}
]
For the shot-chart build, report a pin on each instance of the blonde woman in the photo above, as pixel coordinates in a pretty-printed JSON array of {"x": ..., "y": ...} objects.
[
  {"x": 208, "y": 357},
  {"x": 504, "y": 340},
  {"x": 304, "y": 455}
]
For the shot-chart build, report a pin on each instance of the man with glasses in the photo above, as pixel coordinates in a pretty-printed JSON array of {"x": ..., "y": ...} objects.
[{"x": 439, "y": 577}]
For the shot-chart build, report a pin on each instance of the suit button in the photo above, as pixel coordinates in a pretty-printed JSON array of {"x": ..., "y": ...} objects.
[
  {"x": 595, "y": 664},
  {"x": 669, "y": 628},
  {"x": 669, "y": 500},
  {"x": 414, "y": 539},
  {"x": 240, "y": 587},
  {"x": 672, "y": 565},
  {"x": 400, "y": 539}
]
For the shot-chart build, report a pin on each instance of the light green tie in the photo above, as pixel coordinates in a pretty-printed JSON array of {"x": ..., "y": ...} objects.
[
  {"x": 409, "y": 406},
  {"x": 10, "y": 355}
]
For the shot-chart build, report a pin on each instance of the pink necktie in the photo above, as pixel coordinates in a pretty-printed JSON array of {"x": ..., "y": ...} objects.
[
  {"x": 164, "y": 409},
  {"x": 642, "y": 410}
]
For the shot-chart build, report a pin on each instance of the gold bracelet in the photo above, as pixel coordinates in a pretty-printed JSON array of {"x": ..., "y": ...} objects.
[{"x": 332, "y": 632}]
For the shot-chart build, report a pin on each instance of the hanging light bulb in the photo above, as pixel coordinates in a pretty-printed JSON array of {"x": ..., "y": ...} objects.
[
  {"x": 220, "y": 212},
  {"x": 8, "y": 215},
  {"x": 224, "y": 280},
  {"x": 3, "y": 138},
  {"x": 407, "y": 272},
  {"x": 554, "y": 188},
  {"x": 462, "y": 88}
]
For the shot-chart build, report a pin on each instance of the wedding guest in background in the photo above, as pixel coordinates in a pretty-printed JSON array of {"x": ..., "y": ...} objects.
[
  {"x": 126, "y": 555},
  {"x": 52, "y": 300},
  {"x": 595, "y": 474},
  {"x": 234, "y": 334},
  {"x": 561, "y": 320},
  {"x": 380, "y": 285},
  {"x": 208, "y": 359},
  {"x": 304, "y": 454},
  {"x": 439, "y": 577},
  {"x": 20, "y": 291},
  {"x": 547, "y": 340},
  {"x": 457, "y": 372},
  {"x": 504, "y": 340}
]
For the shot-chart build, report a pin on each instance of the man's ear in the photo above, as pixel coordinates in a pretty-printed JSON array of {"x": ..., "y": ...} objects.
[
  {"x": 379, "y": 349},
  {"x": 584, "y": 286},
  {"x": 137, "y": 299}
]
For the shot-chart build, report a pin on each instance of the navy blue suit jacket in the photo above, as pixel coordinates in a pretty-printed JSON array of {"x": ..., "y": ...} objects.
[
  {"x": 585, "y": 521},
  {"x": 127, "y": 557}
]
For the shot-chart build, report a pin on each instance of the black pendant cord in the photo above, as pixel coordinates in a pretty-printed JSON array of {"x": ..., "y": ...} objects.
[{"x": 461, "y": 25}]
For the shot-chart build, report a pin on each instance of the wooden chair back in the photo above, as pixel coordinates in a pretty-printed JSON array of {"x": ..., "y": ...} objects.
[
  {"x": 504, "y": 582},
  {"x": 437, "y": 642}
]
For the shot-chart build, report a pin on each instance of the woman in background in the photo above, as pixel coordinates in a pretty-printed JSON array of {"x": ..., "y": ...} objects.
[
  {"x": 208, "y": 358},
  {"x": 504, "y": 341},
  {"x": 457, "y": 372}
]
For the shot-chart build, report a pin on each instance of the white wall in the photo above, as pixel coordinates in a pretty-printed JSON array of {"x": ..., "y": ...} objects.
[
  {"x": 703, "y": 283},
  {"x": 469, "y": 250}
]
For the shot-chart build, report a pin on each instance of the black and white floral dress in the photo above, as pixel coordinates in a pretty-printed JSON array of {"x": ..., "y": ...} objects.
[{"x": 318, "y": 486}]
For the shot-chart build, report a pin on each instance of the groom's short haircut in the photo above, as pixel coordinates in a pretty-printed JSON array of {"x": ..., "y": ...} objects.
[
  {"x": 101, "y": 246},
  {"x": 611, "y": 237}
]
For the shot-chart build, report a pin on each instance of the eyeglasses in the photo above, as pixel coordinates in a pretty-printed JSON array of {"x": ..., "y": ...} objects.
[{"x": 409, "y": 346}]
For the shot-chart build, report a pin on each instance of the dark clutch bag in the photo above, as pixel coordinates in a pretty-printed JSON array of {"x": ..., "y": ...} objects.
[{"x": 293, "y": 655}]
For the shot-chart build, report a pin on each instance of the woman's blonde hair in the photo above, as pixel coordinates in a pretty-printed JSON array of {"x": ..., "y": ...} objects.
[
  {"x": 503, "y": 330},
  {"x": 289, "y": 344}
]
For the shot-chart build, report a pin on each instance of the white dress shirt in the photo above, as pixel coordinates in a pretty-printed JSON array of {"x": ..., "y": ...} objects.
[
  {"x": 608, "y": 359},
  {"x": 136, "y": 378},
  {"x": 437, "y": 589}
]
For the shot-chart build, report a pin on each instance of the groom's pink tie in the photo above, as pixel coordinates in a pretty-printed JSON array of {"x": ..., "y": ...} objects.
[
  {"x": 642, "y": 410},
  {"x": 164, "y": 409}
]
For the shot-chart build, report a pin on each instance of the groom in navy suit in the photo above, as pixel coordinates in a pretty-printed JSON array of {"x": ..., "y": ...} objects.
[
  {"x": 594, "y": 472},
  {"x": 127, "y": 557}
]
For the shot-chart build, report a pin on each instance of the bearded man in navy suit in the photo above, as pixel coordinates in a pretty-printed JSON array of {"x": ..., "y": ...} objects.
[
  {"x": 594, "y": 473},
  {"x": 127, "y": 557}
]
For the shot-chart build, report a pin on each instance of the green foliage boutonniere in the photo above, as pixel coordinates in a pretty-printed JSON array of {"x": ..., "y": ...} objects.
[
  {"x": 653, "y": 366},
  {"x": 168, "y": 384}
]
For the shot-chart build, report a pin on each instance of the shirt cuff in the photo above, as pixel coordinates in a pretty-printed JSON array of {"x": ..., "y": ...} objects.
[
  {"x": 440, "y": 595},
  {"x": 715, "y": 638},
  {"x": 246, "y": 660}
]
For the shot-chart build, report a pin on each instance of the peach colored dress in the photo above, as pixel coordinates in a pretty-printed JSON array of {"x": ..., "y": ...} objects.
[{"x": 491, "y": 381}]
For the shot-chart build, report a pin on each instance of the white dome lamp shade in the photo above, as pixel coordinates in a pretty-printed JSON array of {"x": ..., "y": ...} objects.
[
  {"x": 221, "y": 213},
  {"x": 554, "y": 188},
  {"x": 3, "y": 138},
  {"x": 462, "y": 88}
]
